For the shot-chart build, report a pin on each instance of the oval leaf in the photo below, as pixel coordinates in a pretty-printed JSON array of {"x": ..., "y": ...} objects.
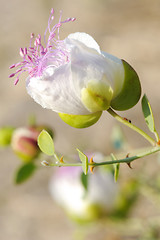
[
  {"x": 148, "y": 115},
  {"x": 45, "y": 143},
  {"x": 84, "y": 160},
  {"x": 24, "y": 172}
]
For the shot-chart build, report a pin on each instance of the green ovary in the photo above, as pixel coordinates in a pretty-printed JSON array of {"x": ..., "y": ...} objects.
[{"x": 97, "y": 95}]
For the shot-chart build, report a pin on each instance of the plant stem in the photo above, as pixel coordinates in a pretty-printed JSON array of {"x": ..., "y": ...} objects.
[
  {"x": 128, "y": 159},
  {"x": 107, "y": 161},
  {"x": 156, "y": 135},
  {"x": 65, "y": 164},
  {"x": 133, "y": 127}
]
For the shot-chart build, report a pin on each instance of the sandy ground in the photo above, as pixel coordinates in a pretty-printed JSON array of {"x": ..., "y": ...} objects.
[{"x": 125, "y": 28}]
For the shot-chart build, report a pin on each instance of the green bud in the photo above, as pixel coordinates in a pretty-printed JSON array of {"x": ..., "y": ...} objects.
[
  {"x": 5, "y": 136},
  {"x": 131, "y": 90},
  {"x": 80, "y": 121}
]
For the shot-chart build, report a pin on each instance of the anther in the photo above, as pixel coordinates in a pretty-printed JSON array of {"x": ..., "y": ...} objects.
[
  {"x": 32, "y": 35},
  {"x": 21, "y": 52},
  {"x": 12, "y": 66},
  {"x": 73, "y": 19},
  {"x": 16, "y": 81},
  {"x": 11, "y": 75},
  {"x": 25, "y": 51},
  {"x": 29, "y": 58}
]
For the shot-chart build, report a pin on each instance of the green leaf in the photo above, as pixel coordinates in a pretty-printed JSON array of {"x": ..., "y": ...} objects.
[
  {"x": 24, "y": 172},
  {"x": 6, "y": 136},
  {"x": 148, "y": 115},
  {"x": 84, "y": 181},
  {"x": 116, "y": 168},
  {"x": 84, "y": 160},
  {"x": 45, "y": 143}
]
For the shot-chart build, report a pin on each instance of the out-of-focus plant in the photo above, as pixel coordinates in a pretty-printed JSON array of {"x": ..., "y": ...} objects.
[
  {"x": 23, "y": 142},
  {"x": 93, "y": 196}
]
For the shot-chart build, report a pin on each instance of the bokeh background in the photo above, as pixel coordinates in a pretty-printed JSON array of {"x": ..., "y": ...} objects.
[{"x": 125, "y": 28}]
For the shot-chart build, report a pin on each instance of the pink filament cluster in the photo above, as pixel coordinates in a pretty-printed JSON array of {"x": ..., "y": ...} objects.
[{"x": 36, "y": 57}]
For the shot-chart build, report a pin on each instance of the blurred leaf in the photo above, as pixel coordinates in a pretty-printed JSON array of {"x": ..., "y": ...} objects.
[
  {"x": 126, "y": 198},
  {"x": 84, "y": 181},
  {"x": 148, "y": 115},
  {"x": 32, "y": 120},
  {"x": 6, "y": 136},
  {"x": 24, "y": 172},
  {"x": 84, "y": 160},
  {"x": 45, "y": 143},
  {"x": 116, "y": 168},
  {"x": 116, "y": 171}
]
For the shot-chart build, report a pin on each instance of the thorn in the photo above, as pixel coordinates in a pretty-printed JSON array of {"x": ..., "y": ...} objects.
[
  {"x": 158, "y": 142},
  {"x": 61, "y": 160},
  {"x": 129, "y": 165},
  {"x": 126, "y": 119},
  {"x": 91, "y": 167}
]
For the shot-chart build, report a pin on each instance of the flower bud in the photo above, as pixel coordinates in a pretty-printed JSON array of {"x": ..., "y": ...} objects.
[
  {"x": 5, "y": 135},
  {"x": 24, "y": 142}
]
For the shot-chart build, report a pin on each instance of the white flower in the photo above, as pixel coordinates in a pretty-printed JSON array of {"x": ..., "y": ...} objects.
[
  {"x": 73, "y": 76},
  {"x": 67, "y": 190},
  {"x": 63, "y": 88}
]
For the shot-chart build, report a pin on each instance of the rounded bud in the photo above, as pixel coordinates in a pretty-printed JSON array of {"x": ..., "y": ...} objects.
[{"x": 24, "y": 143}]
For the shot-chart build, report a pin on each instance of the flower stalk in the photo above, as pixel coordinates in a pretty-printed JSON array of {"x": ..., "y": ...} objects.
[{"x": 133, "y": 127}]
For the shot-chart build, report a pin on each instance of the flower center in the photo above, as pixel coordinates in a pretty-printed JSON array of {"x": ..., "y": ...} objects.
[{"x": 38, "y": 56}]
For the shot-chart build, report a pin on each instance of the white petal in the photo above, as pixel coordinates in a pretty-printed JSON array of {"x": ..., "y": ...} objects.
[
  {"x": 87, "y": 65},
  {"x": 86, "y": 39},
  {"x": 54, "y": 90},
  {"x": 116, "y": 67}
]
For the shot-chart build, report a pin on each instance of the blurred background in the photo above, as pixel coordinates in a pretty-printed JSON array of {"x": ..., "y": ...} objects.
[{"x": 125, "y": 28}]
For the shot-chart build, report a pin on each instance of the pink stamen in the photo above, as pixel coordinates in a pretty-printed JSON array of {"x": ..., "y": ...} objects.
[
  {"x": 21, "y": 52},
  {"x": 11, "y": 75},
  {"x": 35, "y": 58},
  {"x": 25, "y": 51},
  {"x": 16, "y": 81},
  {"x": 29, "y": 58},
  {"x": 12, "y": 66}
]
